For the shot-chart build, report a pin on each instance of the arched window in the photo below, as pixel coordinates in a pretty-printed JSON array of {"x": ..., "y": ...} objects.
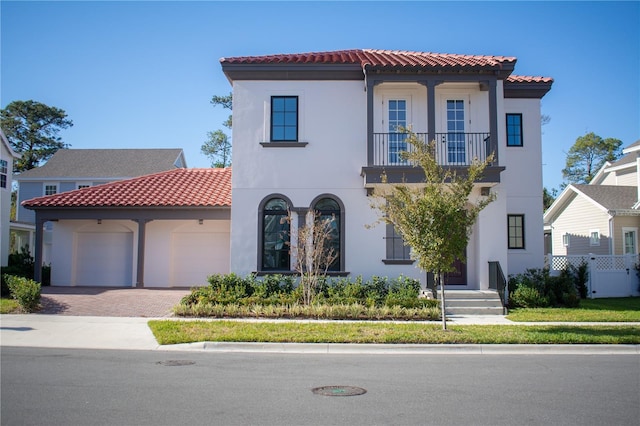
[
  {"x": 275, "y": 236},
  {"x": 328, "y": 208}
]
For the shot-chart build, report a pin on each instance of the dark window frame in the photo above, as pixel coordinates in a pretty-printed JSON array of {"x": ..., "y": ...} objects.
[
  {"x": 262, "y": 213},
  {"x": 510, "y": 236},
  {"x": 284, "y": 126},
  {"x": 512, "y": 136},
  {"x": 340, "y": 217}
]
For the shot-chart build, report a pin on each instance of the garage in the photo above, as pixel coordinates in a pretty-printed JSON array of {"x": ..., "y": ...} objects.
[
  {"x": 196, "y": 256},
  {"x": 169, "y": 229},
  {"x": 104, "y": 259}
]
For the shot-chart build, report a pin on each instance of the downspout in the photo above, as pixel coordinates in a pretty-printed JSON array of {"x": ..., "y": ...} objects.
[{"x": 612, "y": 246}]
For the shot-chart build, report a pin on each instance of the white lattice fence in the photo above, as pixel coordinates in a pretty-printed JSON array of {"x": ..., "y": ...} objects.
[{"x": 609, "y": 276}]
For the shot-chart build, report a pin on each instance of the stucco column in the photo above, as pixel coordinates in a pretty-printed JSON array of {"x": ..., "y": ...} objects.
[
  {"x": 431, "y": 108},
  {"x": 493, "y": 118},
  {"x": 142, "y": 229},
  {"x": 37, "y": 268}
]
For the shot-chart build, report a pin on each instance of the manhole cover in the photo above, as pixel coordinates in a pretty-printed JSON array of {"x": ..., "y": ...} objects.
[
  {"x": 175, "y": 362},
  {"x": 339, "y": 391}
]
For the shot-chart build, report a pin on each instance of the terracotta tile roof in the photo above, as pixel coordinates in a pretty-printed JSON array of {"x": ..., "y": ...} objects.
[
  {"x": 173, "y": 188},
  {"x": 378, "y": 59},
  {"x": 528, "y": 79}
]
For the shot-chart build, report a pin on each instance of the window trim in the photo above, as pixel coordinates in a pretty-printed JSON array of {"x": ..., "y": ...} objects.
[
  {"x": 55, "y": 185},
  {"x": 509, "y": 237},
  {"x": 566, "y": 239},
  {"x": 514, "y": 114},
  {"x": 391, "y": 235},
  {"x": 271, "y": 123},
  {"x": 594, "y": 242},
  {"x": 633, "y": 229},
  {"x": 4, "y": 173},
  {"x": 259, "y": 262},
  {"x": 341, "y": 265}
]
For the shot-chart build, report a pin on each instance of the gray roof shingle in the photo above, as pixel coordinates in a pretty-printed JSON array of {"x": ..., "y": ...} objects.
[
  {"x": 611, "y": 197},
  {"x": 106, "y": 163}
]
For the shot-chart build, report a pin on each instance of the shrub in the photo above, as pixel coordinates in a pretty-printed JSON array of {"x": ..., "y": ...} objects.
[
  {"x": 580, "y": 278},
  {"x": 528, "y": 297},
  {"x": 537, "y": 287},
  {"x": 25, "y": 291}
]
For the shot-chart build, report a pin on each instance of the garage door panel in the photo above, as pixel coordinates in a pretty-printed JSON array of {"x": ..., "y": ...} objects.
[
  {"x": 104, "y": 259},
  {"x": 195, "y": 256}
]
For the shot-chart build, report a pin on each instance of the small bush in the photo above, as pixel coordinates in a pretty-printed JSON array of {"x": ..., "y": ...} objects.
[
  {"x": 528, "y": 297},
  {"x": 580, "y": 278},
  {"x": 25, "y": 291}
]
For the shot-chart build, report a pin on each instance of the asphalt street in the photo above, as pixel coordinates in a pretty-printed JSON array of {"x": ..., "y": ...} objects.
[{"x": 58, "y": 386}]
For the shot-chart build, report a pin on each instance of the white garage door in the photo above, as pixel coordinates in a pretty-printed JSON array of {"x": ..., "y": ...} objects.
[
  {"x": 198, "y": 255},
  {"x": 104, "y": 259}
]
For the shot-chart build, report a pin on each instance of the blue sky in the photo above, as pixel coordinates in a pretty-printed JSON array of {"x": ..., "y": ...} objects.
[{"x": 141, "y": 74}]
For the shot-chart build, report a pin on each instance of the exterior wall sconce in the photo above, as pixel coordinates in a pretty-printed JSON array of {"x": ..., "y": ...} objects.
[
  {"x": 99, "y": 221},
  {"x": 200, "y": 221}
]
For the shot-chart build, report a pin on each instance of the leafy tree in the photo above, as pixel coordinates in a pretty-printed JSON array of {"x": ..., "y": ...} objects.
[
  {"x": 548, "y": 197},
  {"x": 32, "y": 129},
  {"x": 587, "y": 155},
  {"x": 218, "y": 149},
  {"x": 218, "y": 146},
  {"x": 435, "y": 218}
]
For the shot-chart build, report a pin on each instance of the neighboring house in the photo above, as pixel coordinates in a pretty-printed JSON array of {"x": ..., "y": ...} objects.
[
  {"x": 316, "y": 131},
  {"x": 70, "y": 169},
  {"x": 602, "y": 217},
  {"x": 169, "y": 229},
  {"x": 6, "y": 172}
]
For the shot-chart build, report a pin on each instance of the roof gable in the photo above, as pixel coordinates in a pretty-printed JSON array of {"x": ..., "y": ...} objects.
[
  {"x": 7, "y": 145},
  {"x": 605, "y": 197},
  {"x": 105, "y": 163},
  {"x": 173, "y": 188}
]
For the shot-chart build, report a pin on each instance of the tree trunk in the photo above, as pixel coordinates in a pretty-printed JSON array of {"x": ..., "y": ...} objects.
[{"x": 442, "y": 300}]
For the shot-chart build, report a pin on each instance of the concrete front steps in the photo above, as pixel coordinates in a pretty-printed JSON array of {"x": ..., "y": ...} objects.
[{"x": 472, "y": 302}]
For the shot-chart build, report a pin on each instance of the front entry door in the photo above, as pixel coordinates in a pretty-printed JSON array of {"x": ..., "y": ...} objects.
[{"x": 459, "y": 277}]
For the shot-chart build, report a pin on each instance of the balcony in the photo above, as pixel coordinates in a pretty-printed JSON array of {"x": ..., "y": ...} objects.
[{"x": 453, "y": 149}]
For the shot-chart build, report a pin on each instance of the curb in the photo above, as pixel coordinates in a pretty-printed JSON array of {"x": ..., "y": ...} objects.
[{"x": 382, "y": 349}]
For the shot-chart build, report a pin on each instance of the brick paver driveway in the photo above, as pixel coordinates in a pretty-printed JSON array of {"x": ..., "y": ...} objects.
[{"x": 110, "y": 302}]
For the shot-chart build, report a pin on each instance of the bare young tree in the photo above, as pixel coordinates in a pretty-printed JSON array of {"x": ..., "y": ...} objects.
[{"x": 312, "y": 251}]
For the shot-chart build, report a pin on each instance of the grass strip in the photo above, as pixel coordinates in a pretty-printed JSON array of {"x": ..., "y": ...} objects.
[
  {"x": 623, "y": 309},
  {"x": 169, "y": 332},
  {"x": 8, "y": 306}
]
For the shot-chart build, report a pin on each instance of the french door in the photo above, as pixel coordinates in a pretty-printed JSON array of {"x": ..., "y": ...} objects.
[
  {"x": 397, "y": 114},
  {"x": 456, "y": 147}
]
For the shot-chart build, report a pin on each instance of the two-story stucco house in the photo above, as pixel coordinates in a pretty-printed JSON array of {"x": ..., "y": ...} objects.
[
  {"x": 315, "y": 131},
  {"x": 71, "y": 169},
  {"x": 7, "y": 155}
]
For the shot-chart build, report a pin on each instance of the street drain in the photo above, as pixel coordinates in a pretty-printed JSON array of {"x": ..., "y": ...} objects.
[
  {"x": 339, "y": 391},
  {"x": 175, "y": 362}
]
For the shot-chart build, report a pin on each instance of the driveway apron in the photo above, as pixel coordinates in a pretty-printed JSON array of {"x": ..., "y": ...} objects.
[{"x": 110, "y": 302}]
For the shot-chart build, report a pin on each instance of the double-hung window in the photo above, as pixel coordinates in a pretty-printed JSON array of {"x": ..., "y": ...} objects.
[
  {"x": 4, "y": 165},
  {"x": 284, "y": 119},
  {"x": 514, "y": 129},
  {"x": 50, "y": 189},
  {"x": 515, "y": 231}
]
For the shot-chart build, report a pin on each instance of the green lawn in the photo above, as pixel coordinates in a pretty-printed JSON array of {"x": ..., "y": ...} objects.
[
  {"x": 8, "y": 306},
  {"x": 169, "y": 332},
  {"x": 623, "y": 309}
]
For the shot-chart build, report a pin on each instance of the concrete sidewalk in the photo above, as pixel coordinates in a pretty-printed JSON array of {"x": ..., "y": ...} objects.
[{"x": 130, "y": 333}]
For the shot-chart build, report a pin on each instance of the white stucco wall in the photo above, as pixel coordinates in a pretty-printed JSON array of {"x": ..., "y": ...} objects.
[
  {"x": 332, "y": 120},
  {"x": 522, "y": 181}
]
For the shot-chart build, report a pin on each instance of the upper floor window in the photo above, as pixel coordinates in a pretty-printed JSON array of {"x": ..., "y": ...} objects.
[
  {"x": 594, "y": 238},
  {"x": 514, "y": 129},
  {"x": 284, "y": 118},
  {"x": 515, "y": 231},
  {"x": 3, "y": 173},
  {"x": 50, "y": 189},
  {"x": 275, "y": 236}
]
